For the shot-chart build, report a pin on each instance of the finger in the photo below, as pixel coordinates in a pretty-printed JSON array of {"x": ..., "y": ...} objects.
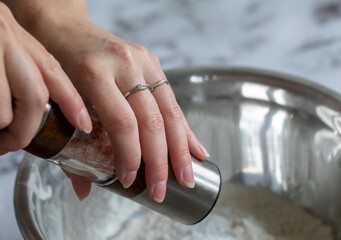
[
  {"x": 152, "y": 138},
  {"x": 6, "y": 113},
  {"x": 117, "y": 116},
  {"x": 195, "y": 147},
  {"x": 59, "y": 85},
  {"x": 81, "y": 186},
  {"x": 175, "y": 130},
  {"x": 30, "y": 96},
  {"x": 176, "y": 135}
]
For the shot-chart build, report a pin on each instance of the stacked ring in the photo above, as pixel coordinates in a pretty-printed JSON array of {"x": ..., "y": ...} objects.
[
  {"x": 143, "y": 86},
  {"x": 159, "y": 83},
  {"x": 138, "y": 87}
]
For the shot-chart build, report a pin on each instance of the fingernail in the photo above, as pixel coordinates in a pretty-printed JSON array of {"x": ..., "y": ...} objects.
[
  {"x": 203, "y": 150},
  {"x": 80, "y": 195},
  {"x": 188, "y": 176},
  {"x": 85, "y": 121},
  {"x": 81, "y": 198},
  {"x": 160, "y": 191},
  {"x": 129, "y": 179}
]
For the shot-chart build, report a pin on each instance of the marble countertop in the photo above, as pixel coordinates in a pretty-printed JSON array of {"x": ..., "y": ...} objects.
[{"x": 302, "y": 38}]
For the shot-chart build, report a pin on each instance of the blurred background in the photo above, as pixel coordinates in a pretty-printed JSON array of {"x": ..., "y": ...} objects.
[{"x": 302, "y": 38}]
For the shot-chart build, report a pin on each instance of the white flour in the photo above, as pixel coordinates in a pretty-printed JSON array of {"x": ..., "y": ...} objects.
[
  {"x": 250, "y": 213},
  {"x": 242, "y": 213}
]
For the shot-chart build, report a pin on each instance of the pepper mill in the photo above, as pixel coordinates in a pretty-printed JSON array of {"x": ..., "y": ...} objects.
[{"x": 91, "y": 156}]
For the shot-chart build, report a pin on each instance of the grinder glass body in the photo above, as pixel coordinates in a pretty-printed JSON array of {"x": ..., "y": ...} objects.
[{"x": 91, "y": 156}]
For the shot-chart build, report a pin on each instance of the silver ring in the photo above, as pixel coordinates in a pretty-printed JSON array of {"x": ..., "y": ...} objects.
[
  {"x": 138, "y": 87},
  {"x": 159, "y": 83}
]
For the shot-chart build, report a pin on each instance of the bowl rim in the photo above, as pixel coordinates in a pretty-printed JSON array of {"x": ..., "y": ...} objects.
[{"x": 260, "y": 72}]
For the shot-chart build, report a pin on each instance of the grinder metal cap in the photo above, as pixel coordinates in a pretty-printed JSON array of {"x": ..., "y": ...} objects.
[{"x": 53, "y": 134}]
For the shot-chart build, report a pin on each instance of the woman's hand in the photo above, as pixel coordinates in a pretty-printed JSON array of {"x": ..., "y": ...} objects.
[
  {"x": 29, "y": 76},
  {"x": 146, "y": 124},
  {"x": 103, "y": 68}
]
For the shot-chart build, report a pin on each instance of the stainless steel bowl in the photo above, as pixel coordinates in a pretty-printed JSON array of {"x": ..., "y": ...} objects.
[{"x": 261, "y": 128}]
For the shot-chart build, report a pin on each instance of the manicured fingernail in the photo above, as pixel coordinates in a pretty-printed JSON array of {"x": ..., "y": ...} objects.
[
  {"x": 160, "y": 191},
  {"x": 188, "y": 176},
  {"x": 203, "y": 150},
  {"x": 85, "y": 121},
  {"x": 129, "y": 179}
]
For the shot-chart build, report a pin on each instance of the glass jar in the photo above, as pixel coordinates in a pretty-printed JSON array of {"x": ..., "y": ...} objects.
[{"x": 87, "y": 155}]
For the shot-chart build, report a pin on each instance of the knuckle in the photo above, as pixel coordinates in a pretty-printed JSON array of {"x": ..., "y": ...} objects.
[
  {"x": 125, "y": 123},
  {"x": 133, "y": 163},
  {"x": 89, "y": 67},
  {"x": 183, "y": 151},
  {"x": 161, "y": 166},
  {"x": 174, "y": 111},
  {"x": 155, "y": 59},
  {"x": 141, "y": 50},
  {"x": 123, "y": 51},
  {"x": 154, "y": 122},
  {"x": 190, "y": 134},
  {"x": 73, "y": 101},
  {"x": 77, "y": 101},
  {"x": 73, "y": 98},
  {"x": 52, "y": 64},
  {"x": 3, "y": 23},
  {"x": 40, "y": 98}
]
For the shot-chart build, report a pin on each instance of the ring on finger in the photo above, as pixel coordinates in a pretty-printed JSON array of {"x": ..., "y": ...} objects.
[
  {"x": 159, "y": 83},
  {"x": 138, "y": 87}
]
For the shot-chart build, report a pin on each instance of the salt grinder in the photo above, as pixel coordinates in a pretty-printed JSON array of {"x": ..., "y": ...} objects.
[{"x": 57, "y": 141}]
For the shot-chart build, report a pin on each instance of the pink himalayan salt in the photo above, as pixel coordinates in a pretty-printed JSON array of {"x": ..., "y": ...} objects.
[{"x": 92, "y": 149}]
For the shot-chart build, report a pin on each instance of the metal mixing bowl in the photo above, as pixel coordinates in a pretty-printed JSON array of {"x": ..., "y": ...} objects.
[{"x": 260, "y": 128}]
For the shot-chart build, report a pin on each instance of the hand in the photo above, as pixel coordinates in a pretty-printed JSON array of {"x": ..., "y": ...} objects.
[
  {"x": 147, "y": 124},
  {"x": 29, "y": 76}
]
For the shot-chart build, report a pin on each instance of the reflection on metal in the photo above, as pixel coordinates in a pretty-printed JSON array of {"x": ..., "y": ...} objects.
[
  {"x": 277, "y": 130},
  {"x": 260, "y": 128},
  {"x": 255, "y": 91},
  {"x": 279, "y": 97},
  {"x": 196, "y": 79},
  {"x": 330, "y": 117},
  {"x": 251, "y": 118}
]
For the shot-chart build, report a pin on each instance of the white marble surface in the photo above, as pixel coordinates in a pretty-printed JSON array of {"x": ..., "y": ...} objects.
[{"x": 297, "y": 37}]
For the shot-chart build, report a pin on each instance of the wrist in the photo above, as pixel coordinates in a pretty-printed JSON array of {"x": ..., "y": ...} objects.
[{"x": 39, "y": 17}]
